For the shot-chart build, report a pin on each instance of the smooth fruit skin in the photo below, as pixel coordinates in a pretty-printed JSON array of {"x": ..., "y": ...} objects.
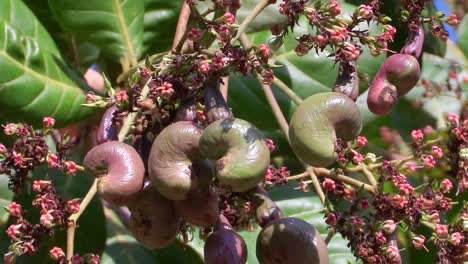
[
  {"x": 241, "y": 153},
  {"x": 266, "y": 209},
  {"x": 414, "y": 44},
  {"x": 291, "y": 241},
  {"x": 225, "y": 246},
  {"x": 318, "y": 122},
  {"x": 216, "y": 107},
  {"x": 397, "y": 76},
  {"x": 170, "y": 160},
  {"x": 106, "y": 131},
  {"x": 120, "y": 171},
  {"x": 153, "y": 222}
]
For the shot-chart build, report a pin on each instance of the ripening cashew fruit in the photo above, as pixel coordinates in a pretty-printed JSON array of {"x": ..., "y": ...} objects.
[
  {"x": 414, "y": 44},
  {"x": 397, "y": 76},
  {"x": 106, "y": 131},
  {"x": 241, "y": 153},
  {"x": 170, "y": 164},
  {"x": 224, "y": 245},
  {"x": 347, "y": 81},
  {"x": 153, "y": 222},
  {"x": 291, "y": 241},
  {"x": 119, "y": 169},
  {"x": 216, "y": 107},
  {"x": 200, "y": 208},
  {"x": 266, "y": 209},
  {"x": 318, "y": 122}
]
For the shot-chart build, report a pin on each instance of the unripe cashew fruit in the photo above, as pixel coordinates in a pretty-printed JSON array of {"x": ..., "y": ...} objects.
[
  {"x": 291, "y": 241},
  {"x": 397, "y": 76},
  {"x": 216, "y": 107},
  {"x": 266, "y": 209},
  {"x": 153, "y": 222},
  {"x": 347, "y": 81},
  {"x": 414, "y": 44},
  {"x": 200, "y": 208},
  {"x": 106, "y": 131},
  {"x": 224, "y": 245},
  {"x": 119, "y": 169},
  {"x": 318, "y": 122},
  {"x": 241, "y": 153},
  {"x": 170, "y": 162}
]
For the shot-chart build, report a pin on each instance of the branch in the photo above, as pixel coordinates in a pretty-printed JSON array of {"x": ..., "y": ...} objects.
[
  {"x": 181, "y": 28},
  {"x": 288, "y": 91},
  {"x": 257, "y": 9}
]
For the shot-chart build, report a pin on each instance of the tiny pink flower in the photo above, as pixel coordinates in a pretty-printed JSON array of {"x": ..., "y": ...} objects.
[
  {"x": 76, "y": 259},
  {"x": 47, "y": 219},
  {"x": 364, "y": 204},
  {"x": 427, "y": 204},
  {"x": 392, "y": 252},
  {"x": 56, "y": 253},
  {"x": 455, "y": 238},
  {"x": 52, "y": 160},
  {"x": 357, "y": 222},
  {"x": 380, "y": 238},
  {"x": 17, "y": 158},
  {"x": 268, "y": 175},
  {"x": 14, "y": 230},
  {"x": 321, "y": 40},
  {"x": 452, "y": 20},
  {"x": 452, "y": 118},
  {"x": 446, "y": 186},
  {"x": 73, "y": 206},
  {"x": 388, "y": 226},
  {"x": 428, "y": 130},
  {"x": 349, "y": 194},
  {"x": 331, "y": 219},
  {"x": 357, "y": 157},
  {"x": 338, "y": 35},
  {"x": 335, "y": 8},
  {"x": 418, "y": 241},
  {"x": 48, "y": 122},
  {"x": 194, "y": 34},
  {"x": 121, "y": 96},
  {"x": 10, "y": 129},
  {"x": 270, "y": 144},
  {"x": 310, "y": 13},
  {"x": 301, "y": 50},
  {"x": 144, "y": 72},
  {"x": 361, "y": 141},
  {"x": 203, "y": 66},
  {"x": 434, "y": 217},
  {"x": 437, "y": 152},
  {"x": 38, "y": 186},
  {"x": 93, "y": 259},
  {"x": 453, "y": 75},
  {"x": 365, "y": 11},
  {"x": 399, "y": 200},
  {"x": 15, "y": 209},
  {"x": 389, "y": 32},
  {"x": 329, "y": 185},
  {"x": 410, "y": 166},
  {"x": 166, "y": 89},
  {"x": 228, "y": 18},
  {"x": 417, "y": 135},
  {"x": 3, "y": 149},
  {"x": 90, "y": 97},
  {"x": 70, "y": 167},
  {"x": 264, "y": 52},
  {"x": 351, "y": 51},
  {"x": 429, "y": 161},
  {"x": 224, "y": 32},
  {"x": 405, "y": 188},
  {"x": 441, "y": 231}
]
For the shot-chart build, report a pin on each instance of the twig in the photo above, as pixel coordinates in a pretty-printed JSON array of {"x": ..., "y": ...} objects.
[
  {"x": 243, "y": 26},
  {"x": 298, "y": 176},
  {"x": 290, "y": 93},
  {"x": 330, "y": 235},
  {"x": 370, "y": 177},
  {"x": 184, "y": 16},
  {"x": 317, "y": 187},
  {"x": 323, "y": 172}
]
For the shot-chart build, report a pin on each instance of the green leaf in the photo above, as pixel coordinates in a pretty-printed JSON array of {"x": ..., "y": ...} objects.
[
  {"x": 17, "y": 14},
  {"x": 5, "y": 199},
  {"x": 462, "y": 36},
  {"x": 306, "y": 206},
  {"x": 122, "y": 247},
  {"x": 34, "y": 82},
  {"x": 160, "y": 22},
  {"x": 116, "y": 26}
]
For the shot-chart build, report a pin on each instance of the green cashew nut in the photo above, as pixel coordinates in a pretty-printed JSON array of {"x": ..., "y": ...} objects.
[
  {"x": 240, "y": 150},
  {"x": 318, "y": 122},
  {"x": 170, "y": 162}
]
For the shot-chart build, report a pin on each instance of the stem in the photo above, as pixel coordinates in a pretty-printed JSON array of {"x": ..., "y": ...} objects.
[
  {"x": 317, "y": 187},
  {"x": 370, "y": 177},
  {"x": 330, "y": 235},
  {"x": 243, "y": 26},
  {"x": 276, "y": 109},
  {"x": 290, "y": 93},
  {"x": 429, "y": 225},
  {"x": 298, "y": 176},
  {"x": 323, "y": 172},
  {"x": 184, "y": 16}
]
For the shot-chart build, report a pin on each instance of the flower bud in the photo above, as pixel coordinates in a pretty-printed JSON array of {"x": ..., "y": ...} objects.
[
  {"x": 389, "y": 226},
  {"x": 441, "y": 231},
  {"x": 446, "y": 186},
  {"x": 392, "y": 253},
  {"x": 455, "y": 238},
  {"x": 56, "y": 253}
]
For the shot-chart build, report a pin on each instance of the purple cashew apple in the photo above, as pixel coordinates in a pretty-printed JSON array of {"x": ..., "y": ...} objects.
[
  {"x": 266, "y": 209},
  {"x": 107, "y": 131},
  {"x": 318, "y": 122},
  {"x": 153, "y": 221},
  {"x": 224, "y": 245},
  {"x": 119, "y": 169},
  {"x": 414, "y": 44},
  {"x": 216, "y": 107},
  {"x": 171, "y": 164},
  {"x": 200, "y": 208},
  {"x": 347, "y": 81},
  {"x": 397, "y": 76},
  {"x": 291, "y": 241}
]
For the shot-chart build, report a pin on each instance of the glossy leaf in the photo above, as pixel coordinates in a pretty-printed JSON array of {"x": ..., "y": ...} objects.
[
  {"x": 122, "y": 247},
  {"x": 17, "y": 14},
  {"x": 160, "y": 22},
  {"x": 5, "y": 199},
  {"x": 462, "y": 36},
  {"x": 34, "y": 83},
  {"x": 115, "y": 26}
]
